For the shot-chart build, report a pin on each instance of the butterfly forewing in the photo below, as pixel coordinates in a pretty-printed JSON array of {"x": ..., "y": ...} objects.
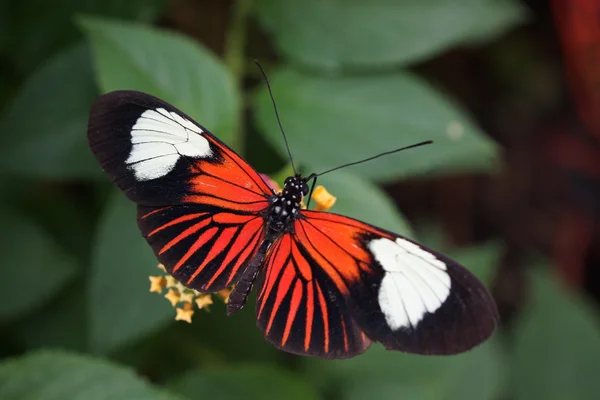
[{"x": 159, "y": 156}]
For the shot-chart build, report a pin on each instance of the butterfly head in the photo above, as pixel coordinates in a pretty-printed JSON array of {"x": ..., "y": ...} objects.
[
  {"x": 285, "y": 206},
  {"x": 296, "y": 185}
]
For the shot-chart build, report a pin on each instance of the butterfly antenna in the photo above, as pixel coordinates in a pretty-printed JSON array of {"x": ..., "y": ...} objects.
[
  {"x": 377, "y": 156},
  {"x": 287, "y": 146}
]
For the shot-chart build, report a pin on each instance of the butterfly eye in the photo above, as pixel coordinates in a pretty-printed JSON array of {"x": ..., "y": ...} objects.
[
  {"x": 304, "y": 189},
  {"x": 287, "y": 181}
]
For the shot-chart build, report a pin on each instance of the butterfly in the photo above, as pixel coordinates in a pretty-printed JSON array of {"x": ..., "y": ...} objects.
[{"x": 327, "y": 285}]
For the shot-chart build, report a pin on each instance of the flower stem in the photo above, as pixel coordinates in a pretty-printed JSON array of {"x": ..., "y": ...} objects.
[{"x": 234, "y": 59}]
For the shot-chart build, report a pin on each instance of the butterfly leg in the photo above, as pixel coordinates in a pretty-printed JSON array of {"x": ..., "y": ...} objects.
[{"x": 239, "y": 294}]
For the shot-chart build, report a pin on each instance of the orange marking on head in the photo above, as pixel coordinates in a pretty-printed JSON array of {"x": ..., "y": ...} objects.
[
  {"x": 301, "y": 263},
  {"x": 323, "y": 305},
  {"x": 220, "y": 243},
  {"x": 294, "y": 305},
  {"x": 189, "y": 231},
  {"x": 310, "y": 310},
  {"x": 201, "y": 241},
  {"x": 176, "y": 221},
  {"x": 287, "y": 275}
]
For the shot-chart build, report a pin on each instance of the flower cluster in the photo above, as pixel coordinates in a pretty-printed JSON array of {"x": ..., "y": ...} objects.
[{"x": 181, "y": 297}]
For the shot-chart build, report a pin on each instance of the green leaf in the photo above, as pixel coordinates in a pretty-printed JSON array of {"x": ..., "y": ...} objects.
[
  {"x": 337, "y": 33},
  {"x": 56, "y": 375},
  {"x": 360, "y": 199},
  {"x": 121, "y": 309},
  {"x": 331, "y": 121},
  {"x": 34, "y": 269},
  {"x": 557, "y": 348},
  {"x": 47, "y": 120},
  {"x": 38, "y": 28},
  {"x": 166, "y": 65},
  {"x": 60, "y": 324},
  {"x": 217, "y": 337},
  {"x": 477, "y": 374},
  {"x": 481, "y": 260},
  {"x": 249, "y": 382}
]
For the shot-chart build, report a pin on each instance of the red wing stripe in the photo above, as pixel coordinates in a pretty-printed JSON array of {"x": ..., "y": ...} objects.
[
  {"x": 268, "y": 273},
  {"x": 345, "y": 333},
  {"x": 324, "y": 263},
  {"x": 243, "y": 257},
  {"x": 217, "y": 187},
  {"x": 341, "y": 235},
  {"x": 155, "y": 211},
  {"x": 237, "y": 185},
  {"x": 341, "y": 220},
  {"x": 189, "y": 231},
  {"x": 284, "y": 286},
  {"x": 310, "y": 309},
  {"x": 323, "y": 305},
  {"x": 301, "y": 263},
  {"x": 201, "y": 241},
  {"x": 242, "y": 242},
  {"x": 229, "y": 218},
  {"x": 276, "y": 266},
  {"x": 240, "y": 163},
  {"x": 294, "y": 305},
  {"x": 225, "y": 203},
  {"x": 220, "y": 244},
  {"x": 334, "y": 251},
  {"x": 175, "y": 221}
]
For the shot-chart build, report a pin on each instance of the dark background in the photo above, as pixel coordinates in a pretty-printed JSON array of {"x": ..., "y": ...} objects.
[{"x": 508, "y": 90}]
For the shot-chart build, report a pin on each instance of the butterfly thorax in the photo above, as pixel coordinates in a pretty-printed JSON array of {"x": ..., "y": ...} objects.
[{"x": 284, "y": 207}]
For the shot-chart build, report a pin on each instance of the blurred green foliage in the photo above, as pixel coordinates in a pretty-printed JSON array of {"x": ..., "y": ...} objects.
[{"x": 76, "y": 318}]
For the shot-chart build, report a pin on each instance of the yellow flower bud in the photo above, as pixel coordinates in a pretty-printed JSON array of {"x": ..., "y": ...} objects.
[{"x": 323, "y": 199}]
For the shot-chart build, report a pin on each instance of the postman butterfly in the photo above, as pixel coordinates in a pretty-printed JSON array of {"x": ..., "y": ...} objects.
[{"x": 327, "y": 285}]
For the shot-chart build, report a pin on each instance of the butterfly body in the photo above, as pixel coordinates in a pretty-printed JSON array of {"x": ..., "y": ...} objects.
[
  {"x": 285, "y": 207},
  {"x": 327, "y": 285}
]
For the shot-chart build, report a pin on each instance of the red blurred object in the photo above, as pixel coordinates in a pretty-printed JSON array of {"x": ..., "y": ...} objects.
[
  {"x": 576, "y": 152},
  {"x": 578, "y": 26}
]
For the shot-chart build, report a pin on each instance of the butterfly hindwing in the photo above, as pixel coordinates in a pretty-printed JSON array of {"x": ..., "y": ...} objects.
[
  {"x": 205, "y": 249},
  {"x": 301, "y": 310}
]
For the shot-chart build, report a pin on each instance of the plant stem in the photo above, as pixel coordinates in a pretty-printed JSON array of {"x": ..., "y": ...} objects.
[{"x": 234, "y": 59}]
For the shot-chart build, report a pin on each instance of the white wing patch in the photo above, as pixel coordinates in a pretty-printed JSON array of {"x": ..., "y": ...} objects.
[
  {"x": 415, "y": 282},
  {"x": 159, "y": 139}
]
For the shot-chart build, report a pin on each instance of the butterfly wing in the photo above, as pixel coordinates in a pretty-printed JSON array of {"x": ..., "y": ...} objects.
[
  {"x": 198, "y": 201},
  {"x": 346, "y": 283},
  {"x": 302, "y": 307},
  {"x": 159, "y": 156}
]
